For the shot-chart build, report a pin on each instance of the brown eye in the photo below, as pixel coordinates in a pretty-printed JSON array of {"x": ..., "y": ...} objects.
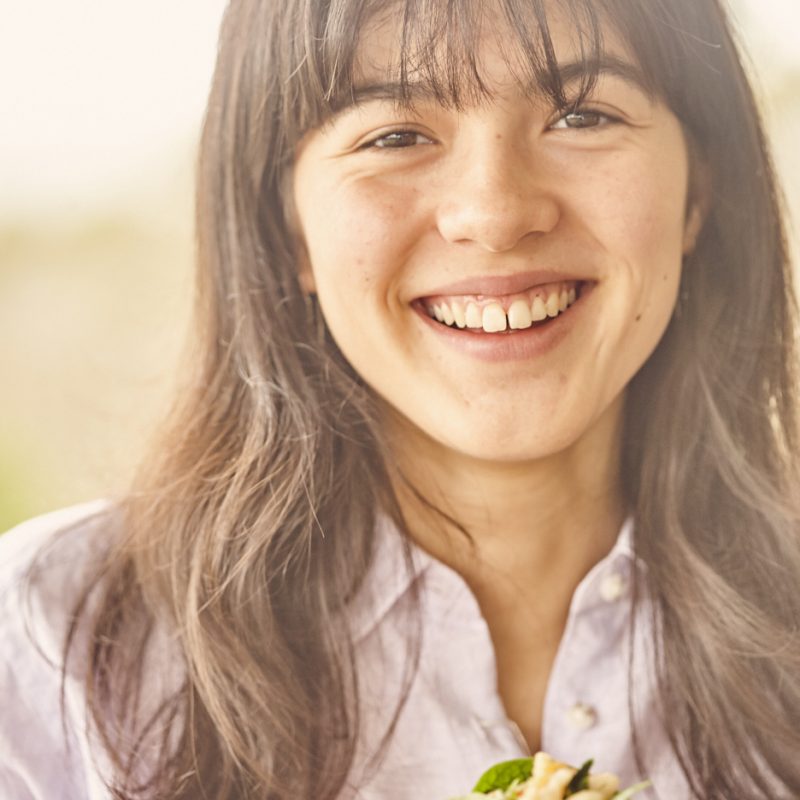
[
  {"x": 583, "y": 118},
  {"x": 397, "y": 140}
]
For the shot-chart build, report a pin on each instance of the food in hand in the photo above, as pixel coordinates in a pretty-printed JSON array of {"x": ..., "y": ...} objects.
[{"x": 544, "y": 778}]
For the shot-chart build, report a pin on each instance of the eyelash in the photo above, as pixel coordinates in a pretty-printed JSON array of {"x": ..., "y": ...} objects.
[{"x": 604, "y": 120}]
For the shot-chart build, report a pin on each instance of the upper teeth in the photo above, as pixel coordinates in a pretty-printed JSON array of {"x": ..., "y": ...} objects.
[{"x": 492, "y": 317}]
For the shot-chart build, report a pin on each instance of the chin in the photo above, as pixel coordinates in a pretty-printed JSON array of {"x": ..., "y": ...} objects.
[{"x": 510, "y": 448}]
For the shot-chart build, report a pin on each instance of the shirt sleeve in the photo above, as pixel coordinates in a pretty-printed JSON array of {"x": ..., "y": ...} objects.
[
  {"x": 43, "y": 753},
  {"x": 14, "y": 786}
]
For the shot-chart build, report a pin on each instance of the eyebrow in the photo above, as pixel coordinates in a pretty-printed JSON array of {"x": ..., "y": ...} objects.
[{"x": 414, "y": 91}]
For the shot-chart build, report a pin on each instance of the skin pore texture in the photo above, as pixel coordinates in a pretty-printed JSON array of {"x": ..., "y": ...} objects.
[{"x": 519, "y": 443}]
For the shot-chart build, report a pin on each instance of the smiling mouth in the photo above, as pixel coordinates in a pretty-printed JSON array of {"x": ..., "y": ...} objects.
[{"x": 507, "y": 314}]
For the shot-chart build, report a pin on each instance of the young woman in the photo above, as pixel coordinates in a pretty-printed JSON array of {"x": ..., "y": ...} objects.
[{"x": 489, "y": 441}]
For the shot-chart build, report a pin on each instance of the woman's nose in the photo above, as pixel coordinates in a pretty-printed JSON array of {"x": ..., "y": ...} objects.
[{"x": 495, "y": 199}]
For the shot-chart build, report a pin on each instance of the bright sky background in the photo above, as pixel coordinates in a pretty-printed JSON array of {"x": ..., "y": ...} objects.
[
  {"x": 95, "y": 94},
  {"x": 94, "y": 91}
]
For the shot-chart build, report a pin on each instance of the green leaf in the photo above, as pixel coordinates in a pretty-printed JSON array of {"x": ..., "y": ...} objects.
[
  {"x": 502, "y": 775},
  {"x": 631, "y": 791},
  {"x": 580, "y": 780}
]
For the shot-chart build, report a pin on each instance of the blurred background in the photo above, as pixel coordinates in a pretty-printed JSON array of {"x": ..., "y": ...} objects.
[{"x": 100, "y": 109}]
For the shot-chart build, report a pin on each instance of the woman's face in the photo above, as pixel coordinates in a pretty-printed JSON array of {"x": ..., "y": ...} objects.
[{"x": 494, "y": 218}]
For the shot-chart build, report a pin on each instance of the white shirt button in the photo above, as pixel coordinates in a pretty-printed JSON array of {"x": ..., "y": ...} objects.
[
  {"x": 612, "y": 587},
  {"x": 581, "y": 717}
]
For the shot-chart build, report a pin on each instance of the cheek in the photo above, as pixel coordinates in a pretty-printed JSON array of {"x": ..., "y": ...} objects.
[
  {"x": 359, "y": 237},
  {"x": 638, "y": 208},
  {"x": 655, "y": 233},
  {"x": 360, "y": 230},
  {"x": 638, "y": 221},
  {"x": 635, "y": 220}
]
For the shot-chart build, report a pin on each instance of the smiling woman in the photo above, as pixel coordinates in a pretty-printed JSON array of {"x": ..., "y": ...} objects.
[
  {"x": 489, "y": 444},
  {"x": 509, "y": 201}
]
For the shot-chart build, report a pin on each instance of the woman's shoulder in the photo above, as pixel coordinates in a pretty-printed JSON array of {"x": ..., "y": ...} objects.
[
  {"x": 45, "y": 561},
  {"x": 20, "y": 545},
  {"x": 46, "y": 566}
]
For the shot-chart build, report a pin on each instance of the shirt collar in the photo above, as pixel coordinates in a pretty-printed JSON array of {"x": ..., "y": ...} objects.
[{"x": 398, "y": 563}]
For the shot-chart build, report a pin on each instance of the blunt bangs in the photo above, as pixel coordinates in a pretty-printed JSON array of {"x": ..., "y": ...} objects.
[
  {"x": 438, "y": 49},
  {"x": 675, "y": 46}
]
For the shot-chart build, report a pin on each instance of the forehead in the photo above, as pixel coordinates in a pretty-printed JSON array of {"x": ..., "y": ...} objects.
[{"x": 468, "y": 50}]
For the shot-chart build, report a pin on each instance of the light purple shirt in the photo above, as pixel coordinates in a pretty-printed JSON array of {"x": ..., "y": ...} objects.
[{"x": 453, "y": 724}]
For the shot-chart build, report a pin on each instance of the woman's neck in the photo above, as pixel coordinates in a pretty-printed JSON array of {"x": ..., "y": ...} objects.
[
  {"x": 536, "y": 529},
  {"x": 537, "y": 526}
]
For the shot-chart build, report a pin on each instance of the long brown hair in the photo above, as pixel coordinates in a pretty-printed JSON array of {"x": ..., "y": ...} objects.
[{"x": 250, "y": 526}]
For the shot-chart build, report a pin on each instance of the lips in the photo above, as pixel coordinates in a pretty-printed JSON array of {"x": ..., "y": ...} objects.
[
  {"x": 503, "y": 285},
  {"x": 531, "y": 316}
]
